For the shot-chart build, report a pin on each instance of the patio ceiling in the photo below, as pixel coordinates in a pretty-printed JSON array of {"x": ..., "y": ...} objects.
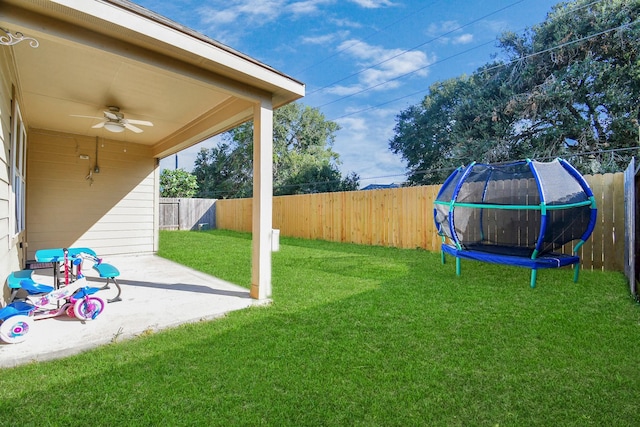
[{"x": 95, "y": 54}]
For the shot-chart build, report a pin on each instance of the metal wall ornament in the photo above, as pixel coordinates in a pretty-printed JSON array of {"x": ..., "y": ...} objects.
[{"x": 11, "y": 39}]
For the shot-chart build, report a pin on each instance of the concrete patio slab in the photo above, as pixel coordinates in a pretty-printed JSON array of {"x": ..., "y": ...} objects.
[{"x": 156, "y": 294}]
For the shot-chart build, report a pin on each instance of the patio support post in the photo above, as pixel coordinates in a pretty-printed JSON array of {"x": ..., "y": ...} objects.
[{"x": 262, "y": 199}]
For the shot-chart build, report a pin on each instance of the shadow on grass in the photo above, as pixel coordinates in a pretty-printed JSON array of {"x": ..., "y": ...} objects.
[
  {"x": 367, "y": 337},
  {"x": 420, "y": 346}
]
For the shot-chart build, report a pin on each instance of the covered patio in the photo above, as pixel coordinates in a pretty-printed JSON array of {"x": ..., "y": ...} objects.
[{"x": 93, "y": 94}]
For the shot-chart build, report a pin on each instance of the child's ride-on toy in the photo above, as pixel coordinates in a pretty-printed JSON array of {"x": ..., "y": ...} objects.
[{"x": 75, "y": 299}]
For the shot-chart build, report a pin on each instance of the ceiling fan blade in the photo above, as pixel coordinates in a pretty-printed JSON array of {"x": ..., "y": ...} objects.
[
  {"x": 132, "y": 127},
  {"x": 86, "y": 117},
  {"x": 138, "y": 122},
  {"x": 111, "y": 115},
  {"x": 98, "y": 126}
]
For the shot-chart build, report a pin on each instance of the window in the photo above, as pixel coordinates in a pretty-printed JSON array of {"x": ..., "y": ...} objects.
[{"x": 18, "y": 170}]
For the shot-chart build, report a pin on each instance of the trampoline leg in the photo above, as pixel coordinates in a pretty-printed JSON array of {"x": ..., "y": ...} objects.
[
  {"x": 457, "y": 266},
  {"x": 534, "y": 274},
  {"x": 576, "y": 272},
  {"x": 442, "y": 257}
]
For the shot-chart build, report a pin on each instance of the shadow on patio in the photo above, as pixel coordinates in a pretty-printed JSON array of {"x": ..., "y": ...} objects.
[{"x": 156, "y": 294}]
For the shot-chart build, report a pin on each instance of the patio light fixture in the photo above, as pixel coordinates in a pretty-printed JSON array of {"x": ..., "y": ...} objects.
[{"x": 114, "y": 126}]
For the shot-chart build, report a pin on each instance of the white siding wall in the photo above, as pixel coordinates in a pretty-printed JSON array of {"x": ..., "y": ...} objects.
[
  {"x": 9, "y": 259},
  {"x": 112, "y": 211}
]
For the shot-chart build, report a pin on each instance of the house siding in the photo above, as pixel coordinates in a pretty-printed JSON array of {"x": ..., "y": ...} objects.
[
  {"x": 69, "y": 204},
  {"x": 9, "y": 256}
]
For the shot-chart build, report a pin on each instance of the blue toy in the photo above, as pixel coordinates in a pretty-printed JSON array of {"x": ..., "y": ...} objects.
[{"x": 104, "y": 270}]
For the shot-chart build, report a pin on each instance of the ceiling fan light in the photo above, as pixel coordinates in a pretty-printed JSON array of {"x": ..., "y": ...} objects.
[{"x": 114, "y": 127}]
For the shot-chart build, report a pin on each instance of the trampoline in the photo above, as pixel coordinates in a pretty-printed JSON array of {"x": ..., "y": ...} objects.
[{"x": 521, "y": 213}]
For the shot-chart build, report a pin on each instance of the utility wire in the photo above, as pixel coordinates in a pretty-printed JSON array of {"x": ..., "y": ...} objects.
[
  {"x": 569, "y": 155},
  {"x": 415, "y": 47},
  {"x": 404, "y": 75},
  {"x": 447, "y": 169},
  {"x": 425, "y": 171},
  {"x": 487, "y": 69},
  {"x": 562, "y": 45},
  {"x": 383, "y": 29},
  {"x": 427, "y": 66},
  {"x": 565, "y": 155}
]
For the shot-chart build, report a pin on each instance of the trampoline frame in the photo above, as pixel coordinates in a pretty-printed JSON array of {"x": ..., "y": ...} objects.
[{"x": 537, "y": 258}]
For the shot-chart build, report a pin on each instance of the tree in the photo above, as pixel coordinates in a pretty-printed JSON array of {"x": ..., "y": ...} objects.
[
  {"x": 318, "y": 179},
  {"x": 303, "y": 159},
  {"x": 568, "y": 86},
  {"x": 460, "y": 119},
  {"x": 177, "y": 183},
  {"x": 224, "y": 171},
  {"x": 582, "y": 95}
]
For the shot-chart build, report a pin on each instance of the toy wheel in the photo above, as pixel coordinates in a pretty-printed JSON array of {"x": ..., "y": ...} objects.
[
  {"x": 15, "y": 329},
  {"x": 70, "y": 311},
  {"x": 88, "y": 308}
]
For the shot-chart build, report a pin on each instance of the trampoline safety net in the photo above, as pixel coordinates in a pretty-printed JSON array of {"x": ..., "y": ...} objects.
[{"x": 525, "y": 208}]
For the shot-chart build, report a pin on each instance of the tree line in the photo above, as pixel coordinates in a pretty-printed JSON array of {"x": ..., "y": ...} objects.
[
  {"x": 303, "y": 159},
  {"x": 568, "y": 87}
]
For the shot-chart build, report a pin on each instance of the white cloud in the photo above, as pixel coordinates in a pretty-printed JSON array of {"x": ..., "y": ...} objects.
[
  {"x": 344, "y": 22},
  {"x": 442, "y": 27},
  {"x": 463, "y": 39},
  {"x": 255, "y": 12},
  {"x": 324, "y": 38},
  {"x": 306, "y": 7},
  {"x": 373, "y": 4},
  {"x": 363, "y": 147},
  {"x": 381, "y": 66},
  {"x": 341, "y": 90},
  {"x": 449, "y": 32},
  {"x": 219, "y": 13},
  {"x": 245, "y": 10}
]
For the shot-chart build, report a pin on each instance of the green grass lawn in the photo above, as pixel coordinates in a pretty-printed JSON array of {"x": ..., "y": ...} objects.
[{"x": 359, "y": 336}]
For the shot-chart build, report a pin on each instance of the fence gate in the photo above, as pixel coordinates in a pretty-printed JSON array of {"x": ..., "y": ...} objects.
[
  {"x": 187, "y": 214},
  {"x": 169, "y": 214}
]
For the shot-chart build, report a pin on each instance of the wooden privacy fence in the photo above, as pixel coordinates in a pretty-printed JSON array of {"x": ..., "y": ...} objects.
[
  {"x": 403, "y": 218},
  {"x": 187, "y": 213}
]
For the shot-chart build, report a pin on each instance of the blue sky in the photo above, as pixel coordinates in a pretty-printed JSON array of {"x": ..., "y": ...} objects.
[{"x": 362, "y": 61}]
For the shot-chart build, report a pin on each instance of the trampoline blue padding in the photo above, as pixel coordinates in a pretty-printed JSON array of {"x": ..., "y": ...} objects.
[
  {"x": 547, "y": 260},
  {"x": 513, "y": 256}
]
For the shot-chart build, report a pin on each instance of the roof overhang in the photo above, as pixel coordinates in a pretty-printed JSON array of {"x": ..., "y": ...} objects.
[{"x": 98, "y": 53}]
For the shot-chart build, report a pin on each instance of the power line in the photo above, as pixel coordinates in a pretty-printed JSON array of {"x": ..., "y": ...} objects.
[
  {"x": 425, "y": 171},
  {"x": 487, "y": 69},
  {"x": 404, "y": 75},
  {"x": 429, "y": 65},
  {"x": 365, "y": 38},
  {"x": 415, "y": 47}
]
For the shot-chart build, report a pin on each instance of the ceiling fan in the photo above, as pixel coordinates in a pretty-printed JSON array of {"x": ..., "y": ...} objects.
[{"x": 114, "y": 121}]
